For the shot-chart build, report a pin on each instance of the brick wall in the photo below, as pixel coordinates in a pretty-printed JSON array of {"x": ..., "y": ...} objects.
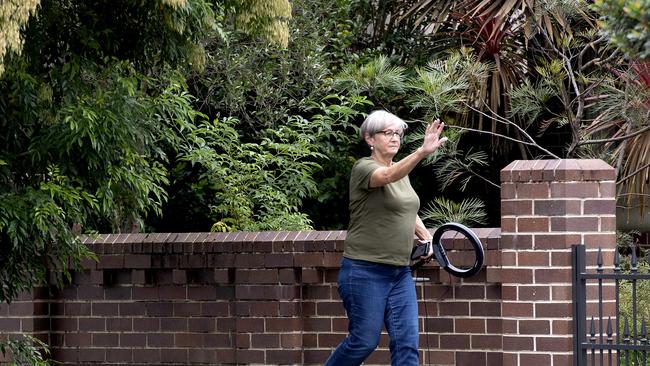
[
  {"x": 546, "y": 207},
  {"x": 270, "y": 297}
]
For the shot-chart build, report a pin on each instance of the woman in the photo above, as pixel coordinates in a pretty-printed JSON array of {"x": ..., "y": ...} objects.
[{"x": 375, "y": 281}]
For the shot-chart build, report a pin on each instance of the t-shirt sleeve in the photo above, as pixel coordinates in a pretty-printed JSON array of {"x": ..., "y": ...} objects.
[{"x": 361, "y": 173}]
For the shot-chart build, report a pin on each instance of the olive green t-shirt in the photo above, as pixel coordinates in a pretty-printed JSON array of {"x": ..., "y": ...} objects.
[{"x": 382, "y": 220}]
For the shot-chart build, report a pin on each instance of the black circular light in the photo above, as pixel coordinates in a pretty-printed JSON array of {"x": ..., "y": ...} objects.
[{"x": 440, "y": 254}]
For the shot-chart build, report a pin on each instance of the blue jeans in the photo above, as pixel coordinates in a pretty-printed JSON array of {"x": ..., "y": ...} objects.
[{"x": 373, "y": 295}]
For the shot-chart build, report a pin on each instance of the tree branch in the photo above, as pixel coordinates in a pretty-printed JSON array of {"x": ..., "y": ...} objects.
[
  {"x": 633, "y": 173},
  {"x": 614, "y": 139},
  {"x": 505, "y": 121}
]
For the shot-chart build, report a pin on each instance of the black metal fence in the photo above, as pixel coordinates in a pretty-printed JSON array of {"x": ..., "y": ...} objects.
[{"x": 598, "y": 339}]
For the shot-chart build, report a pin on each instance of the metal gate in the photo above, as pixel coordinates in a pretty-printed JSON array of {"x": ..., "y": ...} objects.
[{"x": 599, "y": 339}]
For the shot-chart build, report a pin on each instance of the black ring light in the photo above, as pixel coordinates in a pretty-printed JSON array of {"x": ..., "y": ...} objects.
[{"x": 441, "y": 256}]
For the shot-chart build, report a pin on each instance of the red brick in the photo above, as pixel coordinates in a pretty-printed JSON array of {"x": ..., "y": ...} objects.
[
  {"x": 511, "y": 240},
  {"x": 557, "y": 207},
  {"x": 172, "y": 292},
  {"x": 257, "y": 276},
  {"x": 160, "y": 340},
  {"x": 454, "y": 308},
  {"x": 559, "y": 293},
  {"x": 462, "y": 325},
  {"x": 140, "y": 261},
  {"x": 517, "y": 309},
  {"x": 536, "y": 359},
  {"x": 291, "y": 340},
  {"x": 249, "y": 356},
  {"x": 438, "y": 357},
  {"x": 599, "y": 207},
  {"x": 91, "y": 354},
  {"x": 191, "y": 340},
  {"x": 490, "y": 309},
  {"x": 174, "y": 355},
  {"x": 224, "y": 340},
  {"x": 249, "y": 324},
  {"x": 533, "y": 293},
  {"x": 119, "y": 324},
  {"x": 532, "y": 224},
  {"x": 173, "y": 324},
  {"x": 92, "y": 324},
  {"x": 556, "y": 241},
  {"x": 279, "y": 260},
  {"x": 579, "y": 224},
  {"x": 131, "y": 340},
  {"x": 323, "y": 325},
  {"x": 607, "y": 223},
  {"x": 203, "y": 356},
  {"x": 265, "y": 340},
  {"x": 78, "y": 339},
  {"x": 516, "y": 207},
  {"x": 574, "y": 190},
  {"x": 516, "y": 275},
  {"x": 553, "y": 275},
  {"x": 105, "y": 339},
  {"x": 532, "y": 190},
  {"x": 330, "y": 308},
  {"x": 533, "y": 259},
  {"x": 487, "y": 342},
  {"x": 508, "y": 191},
  {"x": 560, "y": 359},
  {"x": 523, "y": 343},
  {"x": 455, "y": 341},
  {"x": 554, "y": 344},
  {"x": 144, "y": 355},
  {"x": 596, "y": 169},
  {"x": 553, "y": 310},
  {"x": 471, "y": 358},
  {"x": 534, "y": 327},
  {"x": 119, "y": 355},
  {"x": 470, "y": 292},
  {"x": 439, "y": 324}
]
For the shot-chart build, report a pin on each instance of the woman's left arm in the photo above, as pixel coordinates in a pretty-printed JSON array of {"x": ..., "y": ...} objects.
[{"x": 420, "y": 230}]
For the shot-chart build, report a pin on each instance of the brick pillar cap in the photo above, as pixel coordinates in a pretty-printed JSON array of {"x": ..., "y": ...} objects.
[{"x": 561, "y": 170}]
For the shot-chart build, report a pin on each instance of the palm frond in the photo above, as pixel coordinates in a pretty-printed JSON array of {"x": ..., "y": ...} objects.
[
  {"x": 469, "y": 212},
  {"x": 447, "y": 85},
  {"x": 376, "y": 74}
]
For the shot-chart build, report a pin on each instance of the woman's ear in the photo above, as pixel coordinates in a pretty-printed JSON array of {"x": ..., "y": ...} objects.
[{"x": 369, "y": 140}]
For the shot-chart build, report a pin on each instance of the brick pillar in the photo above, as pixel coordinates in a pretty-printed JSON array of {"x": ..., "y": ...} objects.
[{"x": 547, "y": 206}]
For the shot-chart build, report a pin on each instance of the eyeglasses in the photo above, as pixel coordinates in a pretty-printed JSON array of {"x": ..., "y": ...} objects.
[{"x": 390, "y": 133}]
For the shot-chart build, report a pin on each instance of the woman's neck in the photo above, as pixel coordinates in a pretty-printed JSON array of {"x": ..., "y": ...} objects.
[{"x": 386, "y": 161}]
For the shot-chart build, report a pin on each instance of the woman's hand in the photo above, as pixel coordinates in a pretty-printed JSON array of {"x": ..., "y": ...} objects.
[
  {"x": 427, "y": 256},
  {"x": 432, "y": 140}
]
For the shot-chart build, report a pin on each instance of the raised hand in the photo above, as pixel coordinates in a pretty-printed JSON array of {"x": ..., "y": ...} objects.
[{"x": 432, "y": 140}]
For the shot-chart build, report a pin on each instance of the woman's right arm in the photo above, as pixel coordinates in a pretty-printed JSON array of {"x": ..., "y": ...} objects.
[{"x": 432, "y": 141}]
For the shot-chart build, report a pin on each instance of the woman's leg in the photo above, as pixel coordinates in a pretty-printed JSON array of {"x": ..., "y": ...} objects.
[
  {"x": 363, "y": 287},
  {"x": 402, "y": 321}
]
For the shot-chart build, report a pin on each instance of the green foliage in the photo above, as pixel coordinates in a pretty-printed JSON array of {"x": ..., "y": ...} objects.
[
  {"x": 26, "y": 351},
  {"x": 337, "y": 137},
  {"x": 257, "y": 186},
  {"x": 149, "y": 34},
  {"x": 377, "y": 79},
  {"x": 627, "y": 23},
  {"x": 529, "y": 102},
  {"x": 78, "y": 159},
  {"x": 268, "y": 18},
  {"x": 469, "y": 212},
  {"x": 261, "y": 88},
  {"x": 262, "y": 84},
  {"x": 453, "y": 166},
  {"x": 447, "y": 85}
]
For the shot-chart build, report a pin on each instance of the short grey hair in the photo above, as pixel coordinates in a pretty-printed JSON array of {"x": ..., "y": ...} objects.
[{"x": 377, "y": 121}]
